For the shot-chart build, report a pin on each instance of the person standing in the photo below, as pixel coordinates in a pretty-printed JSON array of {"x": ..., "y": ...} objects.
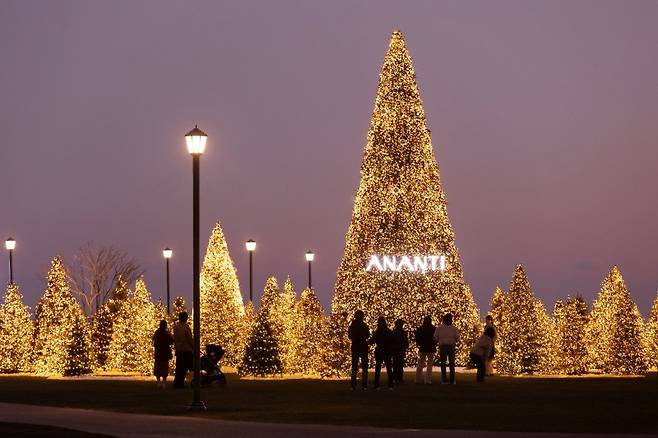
[
  {"x": 480, "y": 352},
  {"x": 447, "y": 336},
  {"x": 359, "y": 333},
  {"x": 489, "y": 323},
  {"x": 162, "y": 341},
  {"x": 400, "y": 346},
  {"x": 426, "y": 350},
  {"x": 383, "y": 340},
  {"x": 184, "y": 344}
]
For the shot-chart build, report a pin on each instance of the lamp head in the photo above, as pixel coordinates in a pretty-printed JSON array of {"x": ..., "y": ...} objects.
[
  {"x": 250, "y": 245},
  {"x": 10, "y": 244},
  {"x": 167, "y": 253},
  {"x": 309, "y": 256},
  {"x": 196, "y": 141}
]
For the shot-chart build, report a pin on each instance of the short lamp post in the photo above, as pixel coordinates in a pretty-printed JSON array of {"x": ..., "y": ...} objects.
[
  {"x": 251, "y": 247},
  {"x": 196, "y": 145},
  {"x": 167, "y": 253},
  {"x": 10, "y": 244},
  {"x": 309, "y": 258}
]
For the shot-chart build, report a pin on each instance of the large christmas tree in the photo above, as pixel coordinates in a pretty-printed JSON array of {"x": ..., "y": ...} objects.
[
  {"x": 16, "y": 332},
  {"x": 221, "y": 300},
  {"x": 614, "y": 330},
  {"x": 400, "y": 214}
]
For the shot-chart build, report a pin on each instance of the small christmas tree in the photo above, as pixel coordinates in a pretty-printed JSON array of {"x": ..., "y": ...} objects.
[
  {"x": 336, "y": 350},
  {"x": 570, "y": 319},
  {"x": 16, "y": 332},
  {"x": 131, "y": 346},
  {"x": 103, "y": 322},
  {"x": 614, "y": 330},
  {"x": 651, "y": 336},
  {"x": 496, "y": 305},
  {"x": 520, "y": 336},
  {"x": 261, "y": 355},
  {"x": 179, "y": 306},
  {"x": 287, "y": 313},
  {"x": 221, "y": 299},
  {"x": 78, "y": 360},
  {"x": 58, "y": 332},
  {"x": 308, "y": 335}
]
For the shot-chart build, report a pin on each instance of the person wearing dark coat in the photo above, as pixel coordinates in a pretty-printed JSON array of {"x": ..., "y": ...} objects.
[
  {"x": 400, "y": 346},
  {"x": 359, "y": 333},
  {"x": 426, "y": 350},
  {"x": 383, "y": 340},
  {"x": 162, "y": 341}
]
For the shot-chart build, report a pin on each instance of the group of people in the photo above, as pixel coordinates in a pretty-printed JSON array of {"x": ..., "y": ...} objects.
[
  {"x": 183, "y": 343},
  {"x": 391, "y": 347}
]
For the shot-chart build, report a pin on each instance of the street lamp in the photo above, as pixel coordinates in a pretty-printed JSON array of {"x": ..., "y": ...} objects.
[
  {"x": 167, "y": 253},
  {"x": 309, "y": 258},
  {"x": 251, "y": 247},
  {"x": 10, "y": 244},
  {"x": 196, "y": 144}
]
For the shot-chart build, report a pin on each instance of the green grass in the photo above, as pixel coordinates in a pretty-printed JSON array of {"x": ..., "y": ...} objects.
[{"x": 596, "y": 404}]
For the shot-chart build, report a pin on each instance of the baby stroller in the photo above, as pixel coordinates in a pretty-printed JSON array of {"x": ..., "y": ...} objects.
[{"x": 210, "y": 369}]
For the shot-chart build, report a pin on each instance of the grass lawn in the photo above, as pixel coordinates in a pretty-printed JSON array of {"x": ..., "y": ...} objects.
[
  {"x": 19, "y": 430},
  {"x": 596, "y": 404}
]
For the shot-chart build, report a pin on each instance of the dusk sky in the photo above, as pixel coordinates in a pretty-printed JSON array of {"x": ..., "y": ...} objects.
[{"x": 544, "y": 120}]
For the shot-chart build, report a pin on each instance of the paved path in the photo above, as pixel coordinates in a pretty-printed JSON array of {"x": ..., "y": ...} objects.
[{"x": 156, "y": 426}]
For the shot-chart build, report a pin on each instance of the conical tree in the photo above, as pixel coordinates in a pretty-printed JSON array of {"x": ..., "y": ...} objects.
[
  {"x": 336, "y": 350},
  {"x": 16, "y": 332},
  {"x": 103, "y": 322},
  {"x": 400, "y": 209},
  {"x": 520, "y": 338},
  {"x": 131, "y": 347},
  {"x": 261, "y": 355},
  {"x": 308, "y": 335},
  {"x": 221, "y": 299},
  {"x": 178, "y": 306},
  {"x": 58, "y": 326},
  {"x": 651, "y": 336},
  {"x": 496, "y": 305},
  {"x": 570, "y": 319},
  {"x": 288, "y": 315},
  {"x": 614, "y": 330},
  {"x": 78, "y": 360}
]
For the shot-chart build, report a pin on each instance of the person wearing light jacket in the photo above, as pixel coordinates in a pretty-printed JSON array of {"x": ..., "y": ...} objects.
[
  {"x": 447, "y": 336},
  {"x": 481, "y": 351}
]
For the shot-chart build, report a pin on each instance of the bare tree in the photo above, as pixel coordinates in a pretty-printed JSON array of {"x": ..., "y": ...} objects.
[{"x": 94, "y": 273}]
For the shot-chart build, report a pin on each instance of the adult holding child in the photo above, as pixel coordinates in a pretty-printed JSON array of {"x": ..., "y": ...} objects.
[{"x": 447, "y": 336}]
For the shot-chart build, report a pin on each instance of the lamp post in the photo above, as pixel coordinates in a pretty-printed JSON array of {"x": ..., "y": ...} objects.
[
  {"x": 167, "y": 253},
  {"x": 196, "y": 144},
  {"x": 10, "y": 244},
  {"x": 309, "y": 258},
  {"x": 251, "y": 247}
]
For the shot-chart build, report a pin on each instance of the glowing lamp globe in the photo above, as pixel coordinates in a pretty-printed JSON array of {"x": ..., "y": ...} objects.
[
  {"x": 250, "y": 245},
  {"x": 10, "y": 244},
  {"x": 167, "y": 253},
  {"x": 196, "y": 141},
  {"x": 310, "y": 256}
]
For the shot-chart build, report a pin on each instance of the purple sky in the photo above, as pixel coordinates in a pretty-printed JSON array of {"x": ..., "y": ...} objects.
[{"x": 543, "y": 117}]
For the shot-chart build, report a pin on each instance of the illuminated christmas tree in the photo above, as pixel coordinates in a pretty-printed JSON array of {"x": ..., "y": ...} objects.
[
  {"x": 160, "y": 311},
  {"x": 103, "y": 321},
  {"x": 336, "y": 350},
  {"x": 651, "y": 336},
  {"x": 570, "y": 319},
  {"x": 496, "y": 305},
  {"x": 131, "y": 348},
  {"x": 60, "y": 327},
  {"x": 221, "y": 299},
  {"x": 400, "y": 212},
  {"x": 288, "y": 314},
  {"x": 178, "y": 306},
  {"x": 548, "y": 344},
  {"x": 308, "y": 335},
  {"x": 261, "y": 356},
  {"x": 521, "y": 340},
  {"x": 614, "y": 330},
  {"x": 16, "y": 332}
]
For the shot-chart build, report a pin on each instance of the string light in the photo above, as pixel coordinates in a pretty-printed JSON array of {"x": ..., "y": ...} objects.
[{"x": 16, "y": 332}]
